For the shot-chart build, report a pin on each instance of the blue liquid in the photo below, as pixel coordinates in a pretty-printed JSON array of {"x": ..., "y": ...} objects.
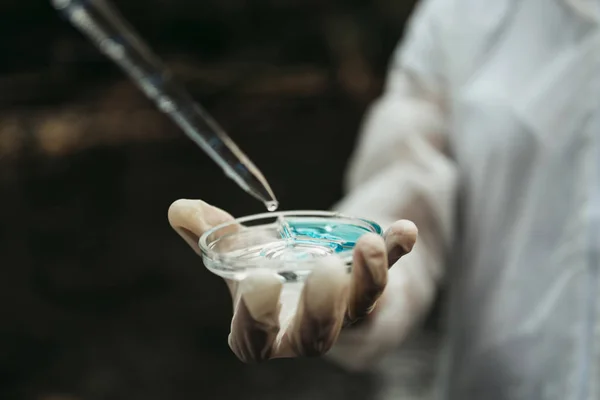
[{"x": 338, "y": 237}]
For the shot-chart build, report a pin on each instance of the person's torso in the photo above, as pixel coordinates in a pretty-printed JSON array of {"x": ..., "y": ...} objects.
[{"x": 523, "y": 79}]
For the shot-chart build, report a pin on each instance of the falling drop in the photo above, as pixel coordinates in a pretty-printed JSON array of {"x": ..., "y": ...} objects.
[{"x": 272, "y": 205}]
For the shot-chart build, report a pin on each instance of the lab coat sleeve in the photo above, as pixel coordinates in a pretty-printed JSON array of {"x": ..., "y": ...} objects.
[{"x": 400, "y": 170}]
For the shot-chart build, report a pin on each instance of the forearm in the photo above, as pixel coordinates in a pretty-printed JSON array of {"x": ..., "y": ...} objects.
[
  {"x": 416, "y": 182},
  {"x": 413, "y": 281}
]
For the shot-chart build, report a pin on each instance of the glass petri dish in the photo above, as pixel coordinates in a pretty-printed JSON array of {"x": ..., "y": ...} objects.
[{"x": 286, "y": 242}]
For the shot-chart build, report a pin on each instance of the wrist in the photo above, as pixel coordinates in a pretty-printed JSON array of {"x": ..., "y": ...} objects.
[{"x": 361, "y": 345}]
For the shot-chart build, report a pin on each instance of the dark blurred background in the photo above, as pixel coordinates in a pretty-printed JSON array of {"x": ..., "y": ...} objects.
[{"x": 100, "y": 299}]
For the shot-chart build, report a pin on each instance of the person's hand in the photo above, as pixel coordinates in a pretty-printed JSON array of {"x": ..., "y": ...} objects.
[{"x": 272, "y": 320}]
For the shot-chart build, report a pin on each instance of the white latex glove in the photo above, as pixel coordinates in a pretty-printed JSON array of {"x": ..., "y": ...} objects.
[{"x": 275, "y": 320}]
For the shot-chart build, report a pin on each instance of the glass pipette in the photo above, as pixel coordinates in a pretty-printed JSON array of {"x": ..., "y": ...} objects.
[{"x": 108, "y": 30}]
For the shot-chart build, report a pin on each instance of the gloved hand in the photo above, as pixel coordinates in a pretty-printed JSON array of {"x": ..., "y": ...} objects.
[{"x": 272, "y": 320}]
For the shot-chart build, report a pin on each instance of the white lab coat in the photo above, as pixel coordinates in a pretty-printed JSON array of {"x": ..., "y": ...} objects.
[{"x": 488, "y": 137}]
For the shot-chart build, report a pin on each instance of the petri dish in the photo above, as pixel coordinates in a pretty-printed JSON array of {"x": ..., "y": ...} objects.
[{"x": 286, "y": 242}]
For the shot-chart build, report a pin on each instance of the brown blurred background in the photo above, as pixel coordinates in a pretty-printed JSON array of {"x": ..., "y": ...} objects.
[{"x": 100, "y": 299}]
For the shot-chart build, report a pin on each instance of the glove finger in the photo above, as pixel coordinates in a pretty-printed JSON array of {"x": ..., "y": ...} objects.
[
  {"x": 400, "y": 238},
  {"x": 369, "y": 276},
  {"x": 191, "y": 218},
  {"x": 320, "y": 312},
  {"x": 255, "y": 322}
]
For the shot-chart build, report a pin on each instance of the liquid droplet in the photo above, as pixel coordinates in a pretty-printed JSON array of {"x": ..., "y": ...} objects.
[{"x": 272, "y": 205}]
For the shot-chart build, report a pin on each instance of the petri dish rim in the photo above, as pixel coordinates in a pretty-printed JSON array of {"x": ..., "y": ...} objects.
[{"x": 233, "y": 264}]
